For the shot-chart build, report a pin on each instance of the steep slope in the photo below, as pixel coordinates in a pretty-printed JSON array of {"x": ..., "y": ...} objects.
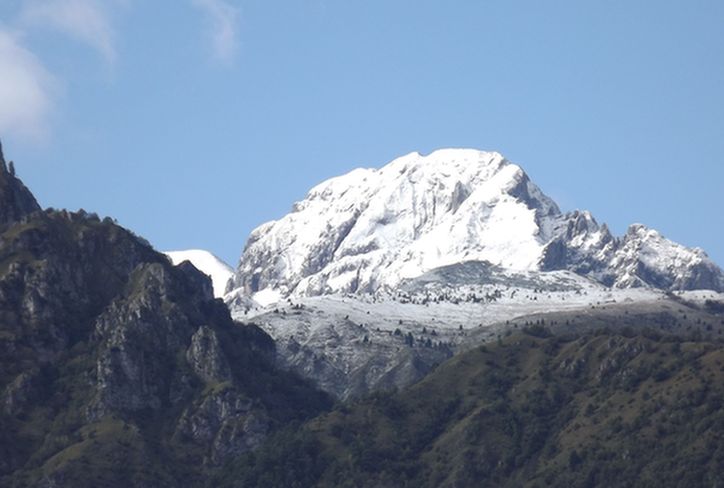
[
  {"x": 118, "y": 368},
  {"x": 641, "y": 258},
  {"x": 207, "y": 263},
  {"x": 531, "y": 410},
  {"x": 366, "y": 231},
  {"x": 351, "y": 345},
  {"x": 371, "y": 228}
]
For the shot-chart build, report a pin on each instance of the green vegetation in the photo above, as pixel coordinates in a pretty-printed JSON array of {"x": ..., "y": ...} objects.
[
  {"x": 533, "y": 410},
  {"x": 84, "y": 305}
]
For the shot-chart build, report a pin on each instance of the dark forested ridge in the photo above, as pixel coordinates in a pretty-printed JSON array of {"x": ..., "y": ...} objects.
[
  {"x": 118, "y": 369},
  {"x": 603, "y": 409}
]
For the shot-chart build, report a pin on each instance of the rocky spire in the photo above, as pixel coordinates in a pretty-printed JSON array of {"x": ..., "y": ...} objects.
[
  {"x": 3, "y": 166},
  {"x": 16, "y": 201}
]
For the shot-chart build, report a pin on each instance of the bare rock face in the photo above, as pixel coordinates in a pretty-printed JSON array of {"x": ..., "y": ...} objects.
[
  {"x": 20, "y": 392},
  {"x": 158, "y": 353},
  {"x": 136, "y": 334},
  {"x": 205, "y": 357},
  {"x": 226, "y": 421}
]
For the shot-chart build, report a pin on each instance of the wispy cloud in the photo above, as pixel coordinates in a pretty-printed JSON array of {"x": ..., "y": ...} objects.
[
  {"x": 28, "y": 91},
  {"x": 25, "y": 91},
  {"x": 224, "y": 20},
  {"x": 84, "y": 20}
]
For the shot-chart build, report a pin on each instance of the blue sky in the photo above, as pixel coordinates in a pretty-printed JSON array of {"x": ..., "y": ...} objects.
[{"x": 193, "y": 121}]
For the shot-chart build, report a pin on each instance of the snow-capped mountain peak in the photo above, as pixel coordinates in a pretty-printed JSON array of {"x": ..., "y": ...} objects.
[
  {"x": 649, "y": 258},
  {"x": 372, "y": 228}
]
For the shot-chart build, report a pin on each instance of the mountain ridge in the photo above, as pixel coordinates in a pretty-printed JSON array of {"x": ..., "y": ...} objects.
[
  {"x": 118, "y": 368},
  {"x": 208, "y": 263},
  {"x": 532, "y": 409}
]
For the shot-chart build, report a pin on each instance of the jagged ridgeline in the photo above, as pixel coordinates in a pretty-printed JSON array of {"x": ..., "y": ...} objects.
[
  {"x": 370, "y": 229},
  {"x": 117, "y": 368}
]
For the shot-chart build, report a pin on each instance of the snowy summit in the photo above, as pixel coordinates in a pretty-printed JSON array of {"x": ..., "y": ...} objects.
[{"x": 373, "y": 228}]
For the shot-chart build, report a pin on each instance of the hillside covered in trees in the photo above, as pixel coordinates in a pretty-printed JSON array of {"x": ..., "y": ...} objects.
[{"x": 601, "y": 409}]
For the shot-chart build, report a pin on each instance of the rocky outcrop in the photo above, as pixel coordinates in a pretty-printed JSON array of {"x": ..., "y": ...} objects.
[
  {"x": 347, "y": 364},
  {"x": 205, "y": 357},
  {"x": 641, "y": 258},
  {"x": 227, "y": 422},
  {"x": 154, "y": 356},
  {"x": 20, "y": 392},
  {"x": 16, "y": 201}
]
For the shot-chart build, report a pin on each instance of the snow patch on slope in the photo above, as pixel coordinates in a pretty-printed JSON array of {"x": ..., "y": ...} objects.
[
  {"x": 353, "y": 344},
  {"x": 207, "y": 263}
]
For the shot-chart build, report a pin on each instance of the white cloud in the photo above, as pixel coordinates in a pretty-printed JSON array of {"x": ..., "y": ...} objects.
[
  {"x": 85, "y": 20},
  {"x": 224, "y": 22},
  {"x": 25, "y": 91},
  {"x": 28, "y": 90}
]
